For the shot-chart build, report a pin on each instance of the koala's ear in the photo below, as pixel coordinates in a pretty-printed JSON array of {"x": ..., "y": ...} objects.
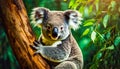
[
  {"x": 39, "y": 15},
  {"x": 73, "y": 18}
]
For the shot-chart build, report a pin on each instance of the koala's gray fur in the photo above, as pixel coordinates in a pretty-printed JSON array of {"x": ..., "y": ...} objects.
[{"x": 56, "y": 43}]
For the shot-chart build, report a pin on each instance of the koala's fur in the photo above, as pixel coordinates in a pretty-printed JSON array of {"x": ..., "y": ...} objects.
[{"x": 56, "y": 43}]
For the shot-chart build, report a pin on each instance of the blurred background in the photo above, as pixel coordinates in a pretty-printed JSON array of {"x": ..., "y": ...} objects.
[{"x": 98, "y": 36}]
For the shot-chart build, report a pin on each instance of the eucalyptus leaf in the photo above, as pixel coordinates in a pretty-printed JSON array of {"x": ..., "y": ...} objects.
[
  {"x": 117, "y": 41},
  {"x": 89, "y": 20},
  {"x": 86, "y": 32},
  {"x": 81, "y": 9},
  {"x": 71, "y": 3},
  {"x": 90, "y": 9},
  {"x": 88, "y": 24},
  {"x": 97, "y": 5},
  {"x": 110, "y": 47},
  {"x": 86, "y": 12},
  {"x": 99, "y": 55},
  {"x": 105, "y": 20},
  {"x": 112, "y": 5},
  {"x": 93, "y": 36},
  {"x": 108, "y": 35}
]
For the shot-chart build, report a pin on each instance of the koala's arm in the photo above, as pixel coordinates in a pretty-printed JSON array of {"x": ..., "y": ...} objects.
[{"x": 55, "y": 53}]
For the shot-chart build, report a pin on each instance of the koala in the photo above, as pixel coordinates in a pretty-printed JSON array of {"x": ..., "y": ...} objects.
[{"x": 56, "y": 43}]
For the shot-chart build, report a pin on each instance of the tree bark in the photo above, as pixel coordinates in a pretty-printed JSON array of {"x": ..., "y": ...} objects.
[{"x": 20, "y": 35}]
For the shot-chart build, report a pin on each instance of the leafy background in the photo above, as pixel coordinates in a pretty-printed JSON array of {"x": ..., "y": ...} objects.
[{"x": 98, "y": 36}]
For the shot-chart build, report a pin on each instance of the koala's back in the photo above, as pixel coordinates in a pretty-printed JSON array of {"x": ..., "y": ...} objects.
[{"x": 76, "y": 53}]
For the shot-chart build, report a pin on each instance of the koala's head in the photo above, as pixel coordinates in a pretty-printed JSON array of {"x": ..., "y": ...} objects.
[{"x": 55, "y": 25}]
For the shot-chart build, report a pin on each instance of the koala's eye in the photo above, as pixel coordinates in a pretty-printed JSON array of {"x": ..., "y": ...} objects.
[
  {"x": 48, "y": 27},
  {"x": 61, "y": 28}
]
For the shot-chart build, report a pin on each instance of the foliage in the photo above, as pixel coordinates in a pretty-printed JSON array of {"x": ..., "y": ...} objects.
[
  {"x": 101, "y": 26},
  {"x": 98, "y": 36},
  {"x": 7, "y": 59}
]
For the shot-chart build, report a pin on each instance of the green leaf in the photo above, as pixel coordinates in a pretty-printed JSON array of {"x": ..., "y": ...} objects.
[
  {"x": 71, "y": 3},
  {"x": 86, "y": 32},
  {"x": 86, "y": 13},
  {"x": 105, "y": 20},
  {"x": 110, "y": 47},
  {"x": 99, "y": 55},
  {"x": 101, "y": 35},
  {"x": 93, "y": 36},
  {"x": 75, "y": 5},
  {"x": 97, "y": 5},
  {"x": 117, "y": 41},
  {"x": 10, "y": 56},
  {"x": 90, "y": 9},
  {"x": 81, "y": 10},
  {"x": 90, "y": 20},
  {"x": 108, "y": 35},
  {"x": 88, "y": 24},
  {"x": 112, "y": 5}
]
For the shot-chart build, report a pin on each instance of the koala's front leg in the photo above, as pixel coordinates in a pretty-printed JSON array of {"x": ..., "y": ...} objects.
[{"x": 54, "y": 53}]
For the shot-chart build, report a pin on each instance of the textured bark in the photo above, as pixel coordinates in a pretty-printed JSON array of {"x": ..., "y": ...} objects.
[{"x": 20, "y": 35}]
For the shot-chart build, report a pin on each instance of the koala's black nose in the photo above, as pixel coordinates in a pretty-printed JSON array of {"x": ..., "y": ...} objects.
[{"x": 55, "y": 32}]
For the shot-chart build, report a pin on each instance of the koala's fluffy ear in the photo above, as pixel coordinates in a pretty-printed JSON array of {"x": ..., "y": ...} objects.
[
  {"x": 39, "y": 15},
  {"x": 73, "y": 18}
]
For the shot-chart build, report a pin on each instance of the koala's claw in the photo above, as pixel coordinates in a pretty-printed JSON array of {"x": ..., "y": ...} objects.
[
  {"x": 37, "y": 48},
  {"x": 36, "y": 43},
  {"x": 38, "y": 51}
]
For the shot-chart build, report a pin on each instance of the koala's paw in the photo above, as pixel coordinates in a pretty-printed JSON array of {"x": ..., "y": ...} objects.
[
  {"x": 37, "y": 46},
  {"x": 37, "y": 43}
]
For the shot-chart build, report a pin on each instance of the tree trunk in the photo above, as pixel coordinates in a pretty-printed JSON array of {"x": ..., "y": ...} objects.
[{"x": 20, "y": 35}]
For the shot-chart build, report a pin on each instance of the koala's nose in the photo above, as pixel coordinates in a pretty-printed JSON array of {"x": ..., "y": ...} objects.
[{"x": 55, "y": 32}]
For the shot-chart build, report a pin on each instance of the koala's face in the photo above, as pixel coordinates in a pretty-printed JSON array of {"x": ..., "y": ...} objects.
[{"x": 55, "y": 25}]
